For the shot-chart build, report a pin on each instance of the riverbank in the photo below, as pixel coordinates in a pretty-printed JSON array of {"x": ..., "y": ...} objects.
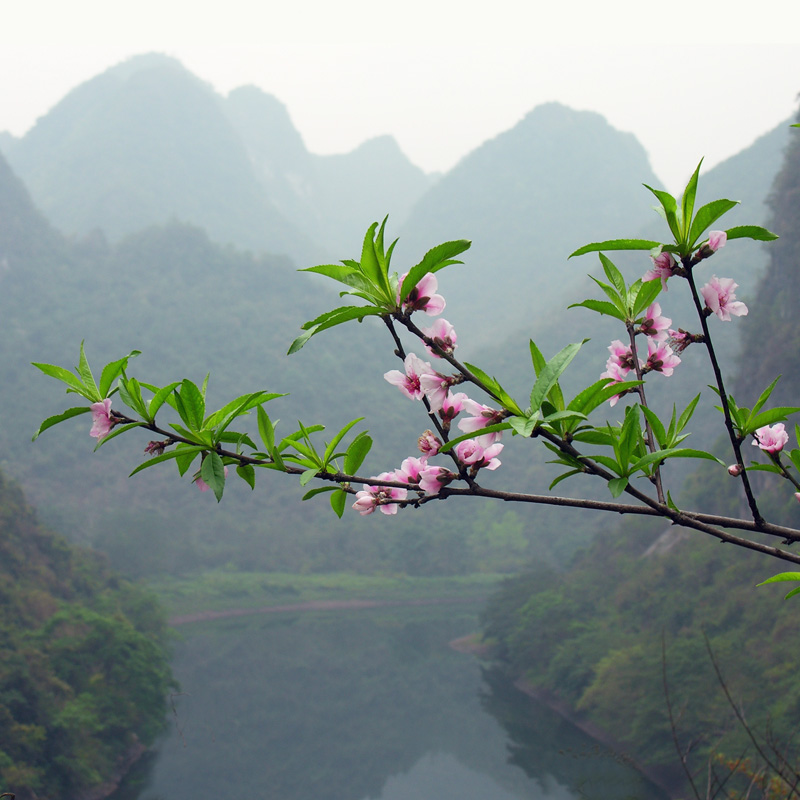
[{"x": 668, "y": 780}]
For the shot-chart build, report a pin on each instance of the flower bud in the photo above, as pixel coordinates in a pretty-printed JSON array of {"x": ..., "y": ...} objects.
[
  {"x": 717, "y": 239},
  {"x": 735, "y": 470},
  {"x": 429, "y": 444}
]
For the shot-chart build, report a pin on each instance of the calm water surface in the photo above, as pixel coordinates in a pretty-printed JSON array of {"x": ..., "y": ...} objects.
[{"x": 363, "y": 705}]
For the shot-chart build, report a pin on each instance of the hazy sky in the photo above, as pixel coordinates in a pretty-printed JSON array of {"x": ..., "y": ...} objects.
[{"x": 690, "y": 78}]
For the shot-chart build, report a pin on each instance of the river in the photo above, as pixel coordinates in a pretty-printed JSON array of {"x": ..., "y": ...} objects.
[{"x": 366, "y": 704}]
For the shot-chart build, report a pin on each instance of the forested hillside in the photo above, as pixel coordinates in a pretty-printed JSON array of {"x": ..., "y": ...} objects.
[{"x": 84, "y": 664}]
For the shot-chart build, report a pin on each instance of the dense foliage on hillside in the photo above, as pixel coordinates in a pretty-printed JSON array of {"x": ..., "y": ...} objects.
[
  {"x": 84, "y": 668},
  {"x": 593, "y": 638}
]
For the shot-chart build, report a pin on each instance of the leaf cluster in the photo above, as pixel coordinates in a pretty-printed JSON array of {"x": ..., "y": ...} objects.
[{"x": 370, "y": 280}]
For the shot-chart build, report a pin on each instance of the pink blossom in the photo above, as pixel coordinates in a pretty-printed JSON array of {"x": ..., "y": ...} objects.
[
  {"x": 482, "y": 416},
  {"x": 660, "y": 357},
  {"x": 443, "y": 335},
  {"x": 373, "y": 497},
  {"x": 771, "y": 438},
  {"x": 663, "y": 267},
  {"x": 409, "y": 384},
  {"x": 616, "y": 374},
  {"x": 621, "y": 356},
  {"x": 452, "y": 406},
  {"x": 735, "y": 470},
  {"x": 679, "y": 340},
  {"x": 422, "y": 297},
  {"x": 102, "y": 421},
  {"x": 432, "y": 479},
  {"x": 717, "y": 239},
  {"x": 202, "y": 485},
  {"x": 653, "y": 324},
  {"x": 479, "y": 452},
  {"x": 797, "y": 496},
  {"x": 720, "y": 297},
  {"x": 435, "y": 387},
  {"x": 410, "y": 469},
  {"x": 428, "y": 443}
]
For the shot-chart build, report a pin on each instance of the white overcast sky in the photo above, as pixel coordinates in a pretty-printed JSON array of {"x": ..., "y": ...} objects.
[{"x": 690, "y": 78}]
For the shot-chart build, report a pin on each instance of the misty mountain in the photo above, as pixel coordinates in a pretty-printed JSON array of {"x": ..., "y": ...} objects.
[
  {"x": 147, "y": 142},
  {"x": 143, "y": 143},
  {"x": 527, "y": 199},
  {"x": 336, "y": 197}
]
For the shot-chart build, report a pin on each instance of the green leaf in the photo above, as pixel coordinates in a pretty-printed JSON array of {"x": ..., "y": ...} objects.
[
  {"x": 499, "y": 426},
  {"x": 616, "y": 244},
  {"x": 349, "y": 276},
  {"x": 613, "y": 274},
  {"x": 755, "y": 232},
  {"x": 617, "y": 486},
  {"x": 551, "y": 373},
  {"x": 784, "y": 576},
  {"x": 308, "y": 475},
  {"x": 248, "y": 474},
  {"x": 212, "y": 471},
  {"x": 331, "y": 448},
  {"x": 64, "y": 415},
  {"x": 764, "y": 468},
  {"x": 684, "y": 418},
  {"x": 707, "y": 216},
  {"x": 769, "y": 417},
  {"x": 597, "y": 436},
  {"x": 357, "y": 452},
  {"x": 669, "y": 208},
  {"x": 439, "y": 257},
  {"x": 555, "y": 395},
  {"x": 674, "y": 452},
  {"x": 687, "y": 202},
  {"x": 114, "y": 369},
  {"x": 643, "y": 296},
  {"x": 656, "y": 425},
  {"x": 617, "y": 299},
  {"x": 369, "y": 262},
  {"x": 331, "y": 319},
  {"x": 266, "y": 429},
  {"x": 338, "y": 500},
  {"x": 131, "y": 394},
  {"x": 764, "y": 396},
  {"x": 182, "y": 452},
  {"x": 319, "y": 490},
  {"x": 522, "y": 425},
  {"x": 85, "y": 373},
  {"x": 601, "y": 307},
  {"x": 598, "y": 393},
  {"x": 564, "y": 477},
  {"x": 780, "y": 577},
  {"x": 116, "y": 432},
  {"x": 160, "y": 396},
  {"x": 65, "y": 376},
  {"x": 185, "y": 455},
  {"x": 191, "y": 405}
]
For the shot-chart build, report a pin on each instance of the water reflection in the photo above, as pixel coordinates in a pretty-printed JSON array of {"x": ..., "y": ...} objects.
[{"x": 363, "y": 705}]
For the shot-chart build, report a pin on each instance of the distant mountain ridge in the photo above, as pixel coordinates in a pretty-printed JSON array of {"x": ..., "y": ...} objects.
[
  {"x": 527, "y": 199},
  {"x": 147, "y": 142}
]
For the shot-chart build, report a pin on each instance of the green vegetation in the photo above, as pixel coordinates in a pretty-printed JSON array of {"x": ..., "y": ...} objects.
[
  {"x": 220, "y": 590},
  {"x": 593, "y": 637},
  {"x": 84, "y": 668}
]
